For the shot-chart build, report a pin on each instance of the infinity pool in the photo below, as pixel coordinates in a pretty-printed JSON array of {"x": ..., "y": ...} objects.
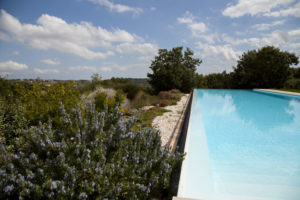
[{"x": 242, "y": 144}]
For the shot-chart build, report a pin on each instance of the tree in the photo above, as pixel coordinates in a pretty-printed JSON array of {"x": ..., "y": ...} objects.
[
  {"x": 174, "y": 70},
  {"x": 268, "y": 67}
]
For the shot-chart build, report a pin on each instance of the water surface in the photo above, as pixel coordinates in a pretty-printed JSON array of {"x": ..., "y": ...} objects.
[{"x": 242, "y": 144}]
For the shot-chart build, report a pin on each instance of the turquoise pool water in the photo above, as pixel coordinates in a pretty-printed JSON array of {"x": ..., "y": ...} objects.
[{"x": 242, "y": 144}]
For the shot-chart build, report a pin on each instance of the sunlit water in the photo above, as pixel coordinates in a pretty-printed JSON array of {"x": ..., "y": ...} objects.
[{"x": 242, "y": 144}]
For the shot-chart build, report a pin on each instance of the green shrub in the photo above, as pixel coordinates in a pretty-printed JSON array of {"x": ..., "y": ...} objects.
[
  {"x": 143, "y": 99},
  {"x": 100, "y": 101},
  {"x": 292, "y": 84},
  {"x": 91, "y": 155},
  {"x": 12, "y": 121},
  {"x": 131, "y": 90},
  {"x": 119, "y": 97},
  {"x": 41, "y": 102}
]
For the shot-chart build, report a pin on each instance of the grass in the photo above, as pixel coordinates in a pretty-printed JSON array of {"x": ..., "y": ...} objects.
[
  {"x": 146, "y": 118},
  {"x": 289, "y": 90}
]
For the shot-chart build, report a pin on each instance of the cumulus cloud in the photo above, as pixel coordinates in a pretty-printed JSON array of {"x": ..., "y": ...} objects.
[
  {"x": 254, "y": 7},
  {"x": 294, "y": 10},
  {"x": 225, "y": 51},
  {"x": 106, "y": 69},
  {"x": 197, "y": 28},
  {"x": 142, "y": 48},
  {"x": 50, "y": 62},
  {"x": 275, "y": 38},
  {"x": 45, "y": 71},
  {"x": 83, "y": 68},
  {"x": 263, "y": 27},
  {"x": 295, "y": 34},
  {"x": 117, "y": 7},
  {"x": 12, "y": 66},
  {"x": 54, "y": 33}
]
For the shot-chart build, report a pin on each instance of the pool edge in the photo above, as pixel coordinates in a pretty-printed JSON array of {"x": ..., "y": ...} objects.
[
  {"x": 185, "y": 143},
  {"x": 277, "y": 92}
]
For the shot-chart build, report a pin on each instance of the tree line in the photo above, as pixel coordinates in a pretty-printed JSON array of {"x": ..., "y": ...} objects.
[{"x": 267, "y": 67}]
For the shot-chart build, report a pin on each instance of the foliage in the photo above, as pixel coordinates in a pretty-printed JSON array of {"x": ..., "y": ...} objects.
[
  {"x": 219, "y": 80},
  {"x": 292, "y": 83},
  {"x": 145, "y": 118},
  {"x": 131, "y": 90},
  {"x": 295, "y": 72},
  {"x": 87, "y": 86},
  {"x": 143, "y": 99},
  {"x": 173, "y": 70},
  {"x": 91, "y": 155},
  {"x": 200, "y": 81},
  {"x": 12, "y": 121},
  {"x": 267, "y": 67},
  {"x": 169, "y": 97},
  {"x": 119, "y": 97},
  {"x": 124, "y": 84},
  {"x": 102, "y": 100},
  {"x": 41, "y": 101}
]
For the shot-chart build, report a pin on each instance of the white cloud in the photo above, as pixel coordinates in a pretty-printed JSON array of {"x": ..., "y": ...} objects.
[
  {"x": 83, "y": 68},
  {"x": 295, "y": 34},
  {"x": 50, "y": 62},
  {"x": 12, "y": 66},
  {"x": 45, "y": 71},
  {"x": 106, "y": 69},
  {"x": 276, "y": 38},
  {"x": 197, "y": 28},
  {"x": 117, "y": 7},
  {"x": 142, "y": 48},
  {"x": 211, "y": 37},
  {"x": 213, "y": 51},
  {"x": 254, "y": 7},
  {"x": 55, "y": 33},
  {"x": 187, "y": 18},
  {"x": 291, "y": 11},
  {"x": 262, "y": 27}
]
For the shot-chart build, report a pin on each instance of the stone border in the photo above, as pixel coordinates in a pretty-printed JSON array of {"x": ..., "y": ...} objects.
[
  {"x": 280, "y": 91},
  {"x": 172, "y": 143}
]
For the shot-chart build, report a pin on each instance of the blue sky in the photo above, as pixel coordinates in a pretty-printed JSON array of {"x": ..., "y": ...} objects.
[{"x": 72, "y": 39}]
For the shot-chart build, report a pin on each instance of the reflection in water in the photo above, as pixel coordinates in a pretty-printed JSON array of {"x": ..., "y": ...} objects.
[{"x": 253, "y": 142}]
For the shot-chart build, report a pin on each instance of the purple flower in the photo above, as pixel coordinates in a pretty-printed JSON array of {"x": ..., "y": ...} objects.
[{"x": 8, "y": 188}]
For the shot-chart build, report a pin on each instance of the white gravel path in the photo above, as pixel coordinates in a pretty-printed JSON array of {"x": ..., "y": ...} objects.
[{"x": 167, "y": 122}]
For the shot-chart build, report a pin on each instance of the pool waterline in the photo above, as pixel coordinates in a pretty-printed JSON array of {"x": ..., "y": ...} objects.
[{"x": 237, "y": 148}]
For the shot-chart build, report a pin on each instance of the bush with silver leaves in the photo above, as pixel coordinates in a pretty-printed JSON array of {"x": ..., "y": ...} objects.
[{"x": 90, "y": 155}]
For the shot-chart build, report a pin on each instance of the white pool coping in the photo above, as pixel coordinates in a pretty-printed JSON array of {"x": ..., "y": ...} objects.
[{"x": 279, "y": 91}]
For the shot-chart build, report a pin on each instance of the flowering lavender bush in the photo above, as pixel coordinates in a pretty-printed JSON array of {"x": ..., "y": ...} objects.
[{"x": 91, "y": 155}]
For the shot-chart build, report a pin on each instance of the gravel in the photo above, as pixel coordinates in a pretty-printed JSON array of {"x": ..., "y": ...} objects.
[{"x": 166, "y": 123}]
